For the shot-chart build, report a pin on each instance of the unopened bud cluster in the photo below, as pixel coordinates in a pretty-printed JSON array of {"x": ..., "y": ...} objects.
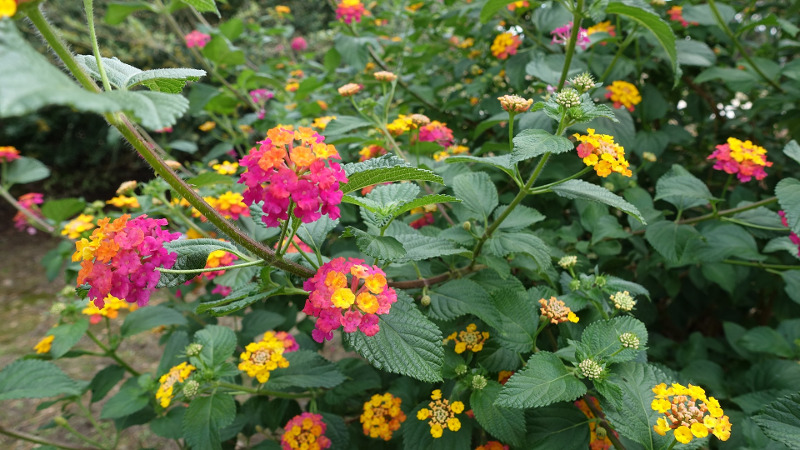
[
  {"x": 515, "y": 103},
  {"x": 590, "y": 369},
  {"x": 623, "y": 301},
  {"x": 384, "y": 76},
  {"x": 629, "y": 340},
  {"x": 194, "y": 349},
  {"x": 478, "y": 382},
  {"x": 420, "y": 120},
  {"x": 190, "y": 389},
  {"x": 582, "y": 82},
  {"x": 568, "y": 98},
  {"x": 568, "y": 261}
]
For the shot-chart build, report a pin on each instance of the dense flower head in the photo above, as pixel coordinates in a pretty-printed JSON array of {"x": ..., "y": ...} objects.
[
  {"x": 505, "y": 45},
  {"x": 384, "y": 75},
  {"x": 583, "y": 82},
  {"x": 598, "y": 436},
  {"x": 124, "y": 201},
  {"x": 321, "y": 123},
  {"x": 562, "y": 34},
  {"x": 75, "y": 227},
  {"x": 568, "y": 98},
  {"x": 601, "y": 152},
  {"x": 400, "y": 125},
  {"x": 226, "y": 168},
  {"x": 555, "y": 310},
  {"x": 568, "y": 261},
  {"x": 349, "y": 10},
  {"x": 121, "y": 258},
  {"x": 624, "y": 94},
  {"x": 372, "y": 151},
  {"x": 289, "y": 342},
  {"x": 515, "y": 103},
  {"x": 289, "y": 167},
  {"x": 230, "y": 204},
  {"x": 436, "y": 132},
  {"x": 442, "y": 414},
  {"x": 744, "y": 159},
  {"x": 298, "y": 44},
  {"x": 177, "y": 374},
  {"x": 261, "y": 96},
  {"x": 337, "y": 301},
  {"x": 469, "y": 339},
  {"x": 792, "y": 235},
  {"x": 689, "y": 413},
  {"x": 8, "y": 154},
  {"x": 623, "y": 300},
  {"x": 382, "y": 416},
  {"x": 305, "y": 431},
  {"x": 197, "y": 39},
  {"x": 260, "y": 358},
  {"x": 110, "y": 309},
  {"x": 29, "y": 203},
  {"x": 350, "y": 89},
  {"x": 218, "y": 258},
  {"x": 591, "y": 369},
  {"x": 126, "y": 187},
  {"x": 44, "y": 345},
  {"x": 676, "y": 15}
]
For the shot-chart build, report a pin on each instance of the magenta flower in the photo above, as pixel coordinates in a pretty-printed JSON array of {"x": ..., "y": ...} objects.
[
  {"x": 436, "y": 132},
  {"x": 28, "y": 202},
  {"x": 562, "y": 34},
  {"x": 197, "y": 39},
  {"x": 299, "y": 44}
]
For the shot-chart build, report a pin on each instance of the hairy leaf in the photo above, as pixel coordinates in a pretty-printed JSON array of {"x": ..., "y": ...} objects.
[
  {"x": 589, "y": 191},
  {"x": 506, "y": 424},
  {"x": 534, "y": 142},
  {"x": 49, "y": 380},
  {"x": 544, "y": 381},
  {"x": 477, "y": 192},
  {"x": 205, "y": 418}
]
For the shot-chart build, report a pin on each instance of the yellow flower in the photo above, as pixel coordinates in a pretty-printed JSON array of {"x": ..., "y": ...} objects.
[
  {"x": 7, "y": 8},
  {"x": 261, "y": 358},
  {"x": 292, "y": 87},
  {"x": 683, "y": 434},
  {"x": 400, "y": 125},
  {"x": 661, "y": 426},
  {"x": 321, "y": 123},
  {"x": 75, "y": 227},
  {"x": 122, "y": 201},
  {"x": 207, "y": 126},
  {"x": 44, "y": 345},
  {"x": 423, "y": 414},
  {"x": 442, "y": 414},
  {"x": 470, "y": 339},
  {"x": 110, "y": 309},
  {"x": 382, "y": 416},
  {"x": 600, "y": 151},
  {"x": 699, "y": 430},
  {"x": 177, "y": 374},
  {"x": 624, "y": 94},
  {"x": 281, "y": 9},
  {"x": 685, "y": 412},
  {"x": 343, "y": 298},
  {"x": 226, "y": 168}
]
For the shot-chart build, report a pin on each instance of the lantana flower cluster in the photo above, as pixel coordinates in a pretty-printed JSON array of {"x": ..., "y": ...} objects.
[
  {"x": 562, "y": 34},
  {"x": 260, "y": 358},
  {"x": 450, "y": 151},
  {"x": 197, "y": 39},
  {"x": 226, "y": 167},
  {"x": 289, "y": 166},
  {"x": 623, "y": 94},
  {"x": 744, "y": 159},
  {"x": 350, "y": 10},
  {"x": 469, "y": 339},
  {"x": 77, "y": 226},
  {"x": 556, "y": 311},
  {"x": 218, "y": 258},
  {"x": 110, "y": 309},
  {"x": 28, "y": 202},
  {"x": 124, "y": 202},
  {"x": 337, "y": 301},
  {"x": 689, "y": 413},
  {"x": 369, "y": 152},
  {"x": 305, "y": 431},
  {"x": 515, "y": 104},
  {"x": 8, "y": 154},
  {"x": 598, "y": 436},
  {"x": 122, "y": 256},
  {"x": 230, "y": 204},
  {"x": 601, "y": 152},
  {"x": 505, "y": 45},
  {"x": 177, "y": 374},
  {"x": 382, "y": 416},
  {"x": 442, "y": 414},
  {"x": 436, "y": 132}
]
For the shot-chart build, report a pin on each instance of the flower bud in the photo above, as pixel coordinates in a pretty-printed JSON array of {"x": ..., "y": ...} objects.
[
  {"x": 600, "y": 281},
  {"x": 461, "y": 369},
  {"x": 568, "y": 261},
  {"x": 591, "y": 369},
  {"x": 190, "y": 389},
  {"x": 61, "y": 421},
  {"x": 568, "y": 98},
  {"x": 350, "y": 89},
  {"x": 420, "y": 120},
  {"x": 574, "y": 285},
  {"x": 466, "y": 225},
  {"x": 425, "y": 300},
  {"x": 193, "y": 349},
  {"x": 629, "y": 340},
  {"x": 623, "y": 301},
  {"x": 479, "y": 382},
  {"x": 58, "y": 307},
  {"x": 582, "y": 82}
]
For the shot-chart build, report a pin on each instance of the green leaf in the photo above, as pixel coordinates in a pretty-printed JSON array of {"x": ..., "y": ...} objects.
[
  {"x": 192, "y": 255},
  {"x": 154, "y": 110},
  {"x": 780, "y": 420},
  {"x": 306, "y": 369},
  {"x": 204, "y": 419},
  {"x": 558, "y": 426},
  {"x": 48, "y": 381},
  {"x": 589, "y": 191},
  {"x": 218, "y": 344},
  {"x": 209, "y": 179},
  {"x": 502, "y": 162},
  {"x": 66, "y": 336},
  {"x": 240, "y": 298},
  {"x": 723, "y": 240},
  {"x": 458, "y": 298},
  {"x": 149, "y": 317},
  {"x": 792, "y": 150},
  {"x": 671, "y": 240},
  {"x": 506, "y": 424},
  {"x": 173, "y": 352},
  {"x": 682, "y": 189},
  {"x": 407, "y": 343},
  {"x": 695, "y": 53},
  {"x": 62, "y": 209},
  {"x": 518, "y": 319},
  {"x": 419, "y": 247},
  {"x": 222, "y": 52},
  {"x": 25, "y": 170},
  {"x": 767, "y": 340},
  {"x": 105, "y": 380},
  {"x": 381, "y": 247},
  {"x": 502, "y": 244},
  {"x": 117, "y": 12},
  {"x": 791, "y": 278},
  {"x": 168, "y": 426},
  {"x": 130, "y": 399},
  {"x": 315, "y": 233},
  {"x": 520, "y": 218},
  {"x": 532, "y": 143},
  {"x": 203, "y": 5},
  {"x": 491, "y": 7},
  {"x": 124, "y": 76},
  {"x": 543, "y": 381},
  {"x": 660, "y": 29},
  {"x": 600, "y": 340},
  {"x": 703, "y": 15},
  {"x": 383, "y": 169},
  {"x": 788, "y": 192},
  {"x": 618, "y": 284},
  {"x": 425, "y": 200},
  {"x": 478, "y": 193},
  {"x": 344, "y": 124}
]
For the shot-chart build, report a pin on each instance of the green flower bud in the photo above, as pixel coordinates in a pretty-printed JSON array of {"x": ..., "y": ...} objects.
[
  {"x": 479, "y": 382},
  {"x": 193, "y": 349}
]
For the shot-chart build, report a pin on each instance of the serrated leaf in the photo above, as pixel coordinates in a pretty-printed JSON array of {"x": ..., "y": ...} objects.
[
  {"x": 788, "y": 192},
  {"x": 66, "y": 336},
  {"x": 724, "y": 240},
  {"x": 203, "y": 5},
  {"x": 544, "y": 380},
  {"x": 671, "y": 240},
  {"x": 660, "y": 29},
  {"x": 131, "y": 398},
  {"x": 419, "y": 247},
  {"x": 381, "y": 247},
  {"x": 533, "y": 142},
  {"x": 477, "y": 192},
  {"x": 343, "y": 124},
  {"x": 502, "y": 244},
  {"x": 25, "y": 170},
  {"x": 62, "y": 209},
  {"x": 589, "y": 191},
  {"x": 124, "y": 76},
  {"x": 149, "y": 317},
  {"x": 407, "y": 343},
  {"x": 423, "y": 201},
  {"x": 383, "y": 169},
  {"x": 237, "y": 300},
  {"x": 502, "y": 162},
  {"x": 521, "y": 217},
  {"x": 506, "y": 424},
  {"x": 457, "y": 298},
  {"x": 682, "y": 189},
  {"x": 336, "y": 431},
  {"x": 618, "y": 284},
  {"x": 558, "y": 426},
  {"x": 154, "y": 110},
  {"x": 204, "y": 419},
  {"x": 192, "y": 255},
  {"x": 50, "y": 381},
  {"x": 218, "y": 344},
  {"x": 767, "y": 340},
  {"x": 168, "y": 426},
  {"x": 518, "y": 319},
  {"x": 780, "y": 420},
  {"x": 315, "y": 233},
  {"x": 306, "y": 369},
  {"x": 600, "y": 340},
  {"x": 105, "y": 380}
]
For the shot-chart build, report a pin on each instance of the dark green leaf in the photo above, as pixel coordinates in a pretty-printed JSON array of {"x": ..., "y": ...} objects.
[
  {"x": 502, "y": 244},
  {"x": 66, "y": 336},
  {"x": 203, "y": 5},
  {"x": 477, "y": 192},
  {"x": 222, "y": 52},
  {"x": 558, "y": 426},
  {"x": 506, "y": 424},
  {"x": 682, "y": 189},
  {"x": 532, "y": 143},
  {"x": 543, "y": 381},
  {"x": 117, "y": 12},
  {"x": 788, "y": 192},
  {"x": 417, "y": 433},
  {"x": 461, "y": 297},
  {"x": 105, "y": 380},
  {"x": 781, "y": 420},
  {"x": 130, "y": 399},
  {"x": 491, "y": 7},
  {"x": 381, "y": 247},
  {"x": 192, "y": 255},
  {"x": 205, "y": 418},
  {"x": 218, "y": 344},
  {"x": 33, "y": 378},
  {"x": 169, "y": 425},
  {"x": 589, "y": 191},
  {"x": 306, "y": 370},
  {"x": 671, "y": 240},
  {"x": 660, "y": 29},
  {"x": 518, "y": 319},
  {"x": 315, "y": 233},
  {"x": 767, "y": 340},
  {"x": 149, "y": 317},
  {"x": 209, "y": 179},
  {"x": 520, "y": 218}
]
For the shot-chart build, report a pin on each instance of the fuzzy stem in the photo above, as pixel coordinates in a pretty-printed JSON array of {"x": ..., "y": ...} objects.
[{"x": 88, "y": 7}]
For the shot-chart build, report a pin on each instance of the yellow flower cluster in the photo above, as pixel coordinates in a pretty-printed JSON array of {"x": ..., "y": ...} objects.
[
  {"x": 743, "y": 151},
  {"x": 321, "y": 123},
  {"x": 382, "y": 416},
  {"x": 7, "y": 8},
  {"x": 442, "y": 414},
  {"x": 226, "y": 168},
  {"x": 177, "y": 374},
  {"x": 44, "y": 345},
  {"x": 110, "y": 309},
  {"x": 261, "y": 358},
  {"x": 555, "y": 310},
  {"x": 470, "y": 339},
  {"x": 624, "y": 94},
  {"x": 601, "y": 152},
  {"x": 450, "y": 151},
  {"x": 689, "y": 413},
  {"x": 75, "y": 227},
  {"x": 123, "y": 201},
  {"x": 207, "y": 126}
]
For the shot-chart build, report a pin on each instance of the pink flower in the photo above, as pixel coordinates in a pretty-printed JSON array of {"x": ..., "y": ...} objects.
[
  {"x": 8, "y": 154},
  {"x": 28, "y": 202},
  {"x": 222, "y": 290},
  {"x": 303, "y": 429},
  {"x": 436, "y": 132},
  {"x": 742, "y": 158},
  {"x": 349, "y": 10},
  {"x": 289, "y": 342},
  {"x": 197, "y": 39},
  {"x": 299, "y": 44},
  {"x": 562, "y": 34},
  {"x": 261, "y": 96}
]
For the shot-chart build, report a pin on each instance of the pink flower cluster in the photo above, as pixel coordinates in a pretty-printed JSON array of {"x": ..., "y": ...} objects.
[
  {"x": 299, "y": 44},
  {"x": 792, "y": 235},
  {"x": 197, "y": 39},
  {"x": 289, "y": 342},
  {"x": 8, "y": 154},
  {"x": 28, "y": 202},
  {"x": 742, "y": 158},
  {"x": 286, "y": 174},
  {"x": 261, "y": 95},
  {"x": 122, "y": 256},
  {"x": 306, "y": 430},
  {"x": 337, "y": 301},
  {"x": 436, "y": 132},
  {"x": 562, "y": 34},
  {"x": 349, "y": 10}
]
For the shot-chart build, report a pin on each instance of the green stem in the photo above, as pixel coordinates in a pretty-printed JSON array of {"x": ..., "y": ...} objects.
[
  {"x": 546, "y": 187},
  {"x": 257, "y": 391},
  {"x": 65, "y": 425},
  {"x": 672, "y": 445},
  {"x": 731, "y": 36},
  {"x": 628, "y": 40},
  {"x": 511, "y": 131},
  {"x": 36, "y": 439},
  {"x": 577, "y": 17},
  {"x": 752, "y": 225},
  {"x": 728, "y": 212},
  {"x": 761, "y": 265},
  {"x": 87, "y": 5},
  {"x": 32, "y": 218},
  {"x": 88, "y": 413},
  {"x": 112, "y": 354},
  {"x": 542, "y": 323},
  {"x": 211, "y": 269},
  {"x": 601, "y": 417}
]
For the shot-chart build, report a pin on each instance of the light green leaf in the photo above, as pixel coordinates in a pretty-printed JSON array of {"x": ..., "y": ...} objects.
[
  {"x": 66, "y": 335},
  {"x": 502, "y": 244},
  {"x": 204, "y": 419},
  {"x": 518, "y": 319},
  {"x": 478, "y": 193},
  {"x": 660, "y": 29},
  {"x": 425, "y": 200},
  {"x": 315, "y": 233},
  {"x": 222, "y": 52},
  {"x": 671, "y": 240},
  {"x": 50, "y": 381},
  {"x": 407, "y": 343},
  {"x": 117, "y": 12},
  {"x": 192, "y": 255},
  {"x": 343, "y": 124},
  {"x": 520, "y": 218},
  {"x": 788, "y": 192},
  {"x": 240, "y": 298},
  {"x": 491, "y": 7},
  {"x": 782, "y": 244},
  {"x": 381, "y": 247},
  {"x": 533, "y": 142},
  {"x": 203, "y": 5},
  {"x": 600, "y": 340},
  {"x": 780, "y": 420},
  {"x": 544, "y": 381},
  {"x": 62, "y": 209},
  {"x": 306, "y": 369},
  {"x": 155, "y": 110},
  {"x": 506, "y": 424},
  {"x": 149, "y": 317},
  {"x": 695, "y": 53},
  {"x": 502, "y": 162},
  {"x": 383, "y": 170},
  {"x": 618, "y": 284},
  {"x": 558, "y": 426},
  {"x": 792, "y": 150},
  {"x": 419, "y": 247},
  {"x": 589, "y": 191},
  {"x": 209, "y": 179},
  {"x": 458, "y": 298},
  {"x": 218, "y": 344},
  {"x": 682, "y": 189},
  {"x": 25, "y": 170},
  {"x": 702, "y": 14},
  {"x": 124, "y": 76},
  {"x": 130, "y": 399}
]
